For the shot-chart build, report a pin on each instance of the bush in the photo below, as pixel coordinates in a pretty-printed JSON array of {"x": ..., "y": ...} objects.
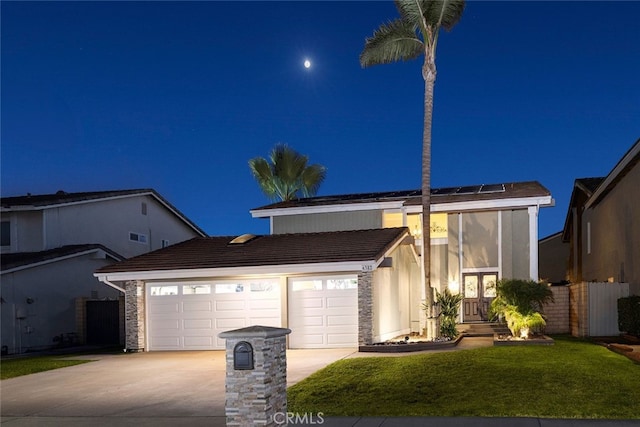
[
  {"x": 629, "y": 315},
  {"x": 449, "y": 306},
  {"x": 519, "y": 302}
]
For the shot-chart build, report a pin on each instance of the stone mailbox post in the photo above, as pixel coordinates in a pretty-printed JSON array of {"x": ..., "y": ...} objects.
[{"x": 256, "y": 379}]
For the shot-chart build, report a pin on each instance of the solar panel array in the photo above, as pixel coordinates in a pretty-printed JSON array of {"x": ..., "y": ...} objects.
[{"x": 470, "y": 189}]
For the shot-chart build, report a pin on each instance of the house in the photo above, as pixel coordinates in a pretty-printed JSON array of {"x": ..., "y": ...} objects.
[
  {"x": 52, "y": 243},
  {"x": 321, "y": 285},
  {"x": 348, "y": 265},
  {"x": 602, "y": 228}
]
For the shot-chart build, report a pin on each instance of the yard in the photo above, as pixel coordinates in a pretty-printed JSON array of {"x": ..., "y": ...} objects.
[
  {"x": 11, "y": 368},
  {"x": 571, "y": 379}
]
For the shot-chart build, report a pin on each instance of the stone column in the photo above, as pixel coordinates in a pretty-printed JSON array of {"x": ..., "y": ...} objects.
[
  {"x": 134, "y": 316},
  {"x": 256, "y": 395},
  {"x": 365, "y": 308}
]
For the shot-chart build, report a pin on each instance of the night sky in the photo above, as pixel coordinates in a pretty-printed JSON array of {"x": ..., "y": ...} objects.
[{"x": 178, "y": 96}]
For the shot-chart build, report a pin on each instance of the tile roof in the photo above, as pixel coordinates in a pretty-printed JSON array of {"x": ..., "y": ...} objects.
[
  {"x": 263, "y": 250},
  {"x": 20, "y": 259},
  {"x": 413, "y": 197}
]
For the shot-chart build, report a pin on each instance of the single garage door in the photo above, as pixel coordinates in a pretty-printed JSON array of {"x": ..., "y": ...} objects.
[
  {"x": 189, "y": 316},
  {"x": 323, "y": 312}
]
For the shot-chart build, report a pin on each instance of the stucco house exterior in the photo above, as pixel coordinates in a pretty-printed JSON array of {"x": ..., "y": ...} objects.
[
  {"x": 52, "y": 243},
  {"x": 313, "y": 274},
  {"x": 602, "y": 229}
]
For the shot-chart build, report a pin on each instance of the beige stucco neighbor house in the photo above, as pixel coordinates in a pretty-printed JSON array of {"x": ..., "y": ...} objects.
[
  {"x": 602, "y": 229},
  {"x": 50, "y": 246},
  {"x": 339, "y": 271}
]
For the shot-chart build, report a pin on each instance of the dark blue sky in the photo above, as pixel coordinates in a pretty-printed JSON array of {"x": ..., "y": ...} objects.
[{"x": 177, "y": 96}]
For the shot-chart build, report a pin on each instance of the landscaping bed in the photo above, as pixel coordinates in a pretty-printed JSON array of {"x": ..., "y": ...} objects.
[
  {"x": 508, "y": 340},
  {"x": 406, "y": 346}
]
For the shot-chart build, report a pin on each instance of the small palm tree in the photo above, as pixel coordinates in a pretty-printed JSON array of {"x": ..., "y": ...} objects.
[
  {"x": 414, "y": 34},
  {"x": 286, "y": 175}
]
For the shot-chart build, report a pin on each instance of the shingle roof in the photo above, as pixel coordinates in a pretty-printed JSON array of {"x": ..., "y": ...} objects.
[
  {"x": 413, "y": 197},
  {"x": 21, "y": 259},
  {"x": 277, "y": 249},
  {"x": 62, "y": 197}
]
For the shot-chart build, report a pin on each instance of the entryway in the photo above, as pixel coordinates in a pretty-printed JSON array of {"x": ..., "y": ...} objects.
[{"x": 479, "y": 291}]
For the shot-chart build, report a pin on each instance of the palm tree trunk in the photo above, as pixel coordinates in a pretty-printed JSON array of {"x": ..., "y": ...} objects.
[{"x": 429, "y": 74}]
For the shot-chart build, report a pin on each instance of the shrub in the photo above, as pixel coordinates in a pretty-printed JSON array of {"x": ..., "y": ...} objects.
[
  {"x": 629, "y": 315},
  {"x": 449, "y": 306},
  {"x": 519, "y": 303}
]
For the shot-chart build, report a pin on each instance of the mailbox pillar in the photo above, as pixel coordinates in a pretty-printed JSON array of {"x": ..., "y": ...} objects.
[{"x": 256, "y": 378}]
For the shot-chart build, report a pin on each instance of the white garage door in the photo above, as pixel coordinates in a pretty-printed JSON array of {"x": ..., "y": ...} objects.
[
  {"x": 323, "y": 312},
  {"x": 189, "y": 316}
]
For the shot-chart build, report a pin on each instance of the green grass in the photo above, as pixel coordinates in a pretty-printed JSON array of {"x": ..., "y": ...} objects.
[
  {"x": 11, "y": 368},
  {"x": 571, "y": 379}
]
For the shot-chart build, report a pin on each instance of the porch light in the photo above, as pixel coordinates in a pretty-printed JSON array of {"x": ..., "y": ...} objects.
[
  {"x": 417, "y": 232},
  {"x": 454, "y": 287}
]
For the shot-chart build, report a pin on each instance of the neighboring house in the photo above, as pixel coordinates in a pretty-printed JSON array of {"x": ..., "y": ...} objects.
[
  {"x": 602, "y": 227},
  {"x": 50, "y": 246},
  {"x": 553, "y": 259},
  {"x": 340, "y": 271}
]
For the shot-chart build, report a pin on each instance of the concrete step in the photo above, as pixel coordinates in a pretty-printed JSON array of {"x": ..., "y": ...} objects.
[{"x": 483, "y": 329}]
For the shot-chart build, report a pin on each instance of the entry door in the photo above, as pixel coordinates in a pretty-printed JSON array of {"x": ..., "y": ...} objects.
[{"x": 479, "y": 290}]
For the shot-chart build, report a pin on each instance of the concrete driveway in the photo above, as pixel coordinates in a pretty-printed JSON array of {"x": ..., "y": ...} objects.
[{"x": 156, "y": 388}]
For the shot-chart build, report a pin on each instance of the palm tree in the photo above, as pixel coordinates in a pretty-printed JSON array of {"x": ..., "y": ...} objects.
[
  {"x": 286, "y": 175},
  {"x": 413, "y": 34}
]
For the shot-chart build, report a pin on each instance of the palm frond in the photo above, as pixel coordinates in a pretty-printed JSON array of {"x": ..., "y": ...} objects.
[{"x": 396, "y": 40}]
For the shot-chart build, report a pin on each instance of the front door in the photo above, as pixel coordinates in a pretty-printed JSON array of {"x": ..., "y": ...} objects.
[{"x": 479, "y": 290}]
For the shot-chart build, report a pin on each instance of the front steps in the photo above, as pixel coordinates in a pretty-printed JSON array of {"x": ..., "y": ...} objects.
[{"x": 482, "y": 329}]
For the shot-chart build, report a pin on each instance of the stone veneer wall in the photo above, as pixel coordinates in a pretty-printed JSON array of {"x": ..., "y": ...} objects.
[
  {"x": 365, "y": 308},
  {"x": 257, "y": 396},
  {"x": 134, "y": 315},
  {"x": 557, "y": 312}
]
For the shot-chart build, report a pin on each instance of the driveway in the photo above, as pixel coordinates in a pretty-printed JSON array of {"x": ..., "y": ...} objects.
[{"x": 155, "y": 388}]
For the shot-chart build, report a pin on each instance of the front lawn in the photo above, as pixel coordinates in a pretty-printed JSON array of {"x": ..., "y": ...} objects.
[
  {"x": 571, "y": 379},
  {"x": 30, "y": 365}
]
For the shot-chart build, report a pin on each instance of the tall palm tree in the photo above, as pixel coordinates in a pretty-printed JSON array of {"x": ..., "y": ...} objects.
[
  {"x": 286, "y": 175},
  {"x": 413, "y": 34}
]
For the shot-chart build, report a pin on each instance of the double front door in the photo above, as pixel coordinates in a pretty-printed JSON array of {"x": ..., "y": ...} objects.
[{"x": 479, "y": 290}]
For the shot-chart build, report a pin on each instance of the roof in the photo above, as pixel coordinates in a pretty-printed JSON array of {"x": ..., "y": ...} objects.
[
  {"x": 21, "y": 260},
  {"x": 43, "y": 201},
  {"x": 414, "y": 197},
  {"x": 266, "y": 250},
  {"x": 588, "y": 185}
]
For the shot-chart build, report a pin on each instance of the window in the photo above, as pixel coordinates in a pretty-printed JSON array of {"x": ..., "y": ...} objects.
[
  {"x": 143, "y": 208},
  {"x": 229, "y": 288},
  {"x": 342, "y": 284},
  {"x": 196, "y": 289},
  {"x": 5, "y": 233},
  {"x": 164, "y": 290},
  {"x": 307, "y": 285},
  {"x": 261, "y": 287},
  {"x": 165, "y": 243},
  {"x": 137, "y": 237}
]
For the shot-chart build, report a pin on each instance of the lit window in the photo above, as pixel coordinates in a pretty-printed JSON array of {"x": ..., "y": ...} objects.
[
  {"x": 196, "y": 289},
  {"x": 261, "y": 287},
  {"x": 342, "y": 284},
  {"x": 307, "y": 285},
  {"x": 229, "y": 288},
  {"x": 164, "y": 290}
]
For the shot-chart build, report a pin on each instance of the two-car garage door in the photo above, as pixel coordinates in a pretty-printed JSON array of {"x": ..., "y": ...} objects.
[
  {"x": 322, "y": 311},
  {"x": 189, "y": 316}
]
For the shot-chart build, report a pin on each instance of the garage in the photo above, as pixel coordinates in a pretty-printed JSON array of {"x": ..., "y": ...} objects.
[
  {"x": 189, "y": 316},
  {"x": 323, "y": 312}
]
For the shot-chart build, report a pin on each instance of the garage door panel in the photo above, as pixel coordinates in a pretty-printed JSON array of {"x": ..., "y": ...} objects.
[
  {"x": 230, "y": 305},
  {"x": 166, "y": 324},
  {"x": 198, "y": 323},
  {"x": 340, "y": 339},
  {"x": 265, "y": 321},
  {"x": 341, "y": 320},
  {"x": 198, "y": 341},
  {"x": 196, "y": 306},
  {"x": 267, "y": 303},
  {"x": 340, "y": 302},
  {"x": 167, "y": 307},
  {"x": 165, "y": 343}
]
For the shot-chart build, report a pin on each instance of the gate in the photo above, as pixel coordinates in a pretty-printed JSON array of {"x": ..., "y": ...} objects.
[{"x": 103, "y": 322}]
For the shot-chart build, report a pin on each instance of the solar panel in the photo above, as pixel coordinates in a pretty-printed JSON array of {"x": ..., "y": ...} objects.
[
  {"x": 492, "y": 188},
  {"x": 470, "y": 189}
]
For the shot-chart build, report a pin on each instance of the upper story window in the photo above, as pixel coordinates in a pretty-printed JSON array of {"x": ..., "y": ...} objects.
[
  {"x": 5, "y": 233},
  {"x": 165, "y": 243},
  {"x": 143, "y": 208},
  {"x": 137, "y": 237}
]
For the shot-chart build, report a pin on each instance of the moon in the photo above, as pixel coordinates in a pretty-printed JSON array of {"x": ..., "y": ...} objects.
[{"x": 307, "y": 63}]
